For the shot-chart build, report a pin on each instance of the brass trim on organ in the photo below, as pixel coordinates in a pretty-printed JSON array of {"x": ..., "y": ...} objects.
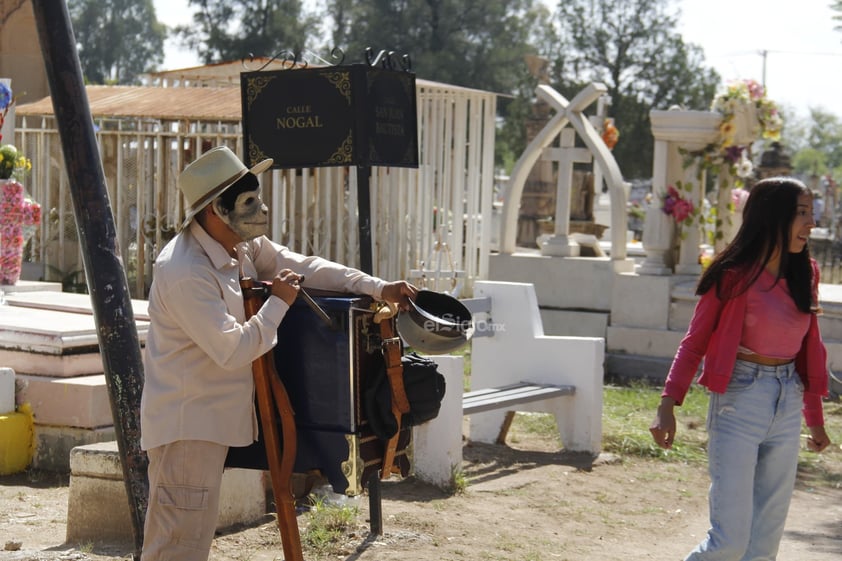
[{"x": 350, "y": 467}]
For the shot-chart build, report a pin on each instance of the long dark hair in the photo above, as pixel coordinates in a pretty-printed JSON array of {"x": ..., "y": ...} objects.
[{"x": 767, "y": 223}]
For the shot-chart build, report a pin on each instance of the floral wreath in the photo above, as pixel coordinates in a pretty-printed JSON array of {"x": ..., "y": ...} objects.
[{"x": 741, "y": 94}]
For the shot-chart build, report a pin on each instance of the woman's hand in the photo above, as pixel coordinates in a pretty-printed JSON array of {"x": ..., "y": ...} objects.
[
  {"x": 399, "y": 292},
  {"x": 818, "y": 439},
  {"x": 663, "y": 427}
]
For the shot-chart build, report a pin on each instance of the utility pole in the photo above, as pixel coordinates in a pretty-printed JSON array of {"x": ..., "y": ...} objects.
[
  {"x": 106, "y": 278},
  {"x": 764, "y": 53}
]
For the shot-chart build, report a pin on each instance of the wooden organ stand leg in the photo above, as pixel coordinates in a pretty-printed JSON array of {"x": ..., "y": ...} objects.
[{"x": 272, "y": 398}]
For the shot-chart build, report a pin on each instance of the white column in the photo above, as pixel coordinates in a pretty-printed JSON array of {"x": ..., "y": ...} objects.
[
  {"x": 688, "y": 252},
  {"x": 658, "y": 230},
  {"x": 675, "y": 129}
]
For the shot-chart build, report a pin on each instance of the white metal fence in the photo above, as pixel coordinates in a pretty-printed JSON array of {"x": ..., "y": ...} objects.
[{"x": 426, "y": 222}]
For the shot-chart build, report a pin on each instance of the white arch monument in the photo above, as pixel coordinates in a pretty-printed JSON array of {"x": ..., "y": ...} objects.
[{"x": 567, "y": 112}]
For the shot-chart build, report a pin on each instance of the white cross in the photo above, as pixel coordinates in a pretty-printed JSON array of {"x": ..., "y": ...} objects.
[{"x": 566, "y": 155}]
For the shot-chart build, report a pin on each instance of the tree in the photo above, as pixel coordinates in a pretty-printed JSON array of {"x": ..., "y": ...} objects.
[
  {"x": 473, "y": 43},
  {"x": 117, "y": 39},
  {"x": 836, "y": 6},
  {"x": 822, "y": 145},
  {"x": 227, "y": 30},
  {"x": 631, "y": 47}
]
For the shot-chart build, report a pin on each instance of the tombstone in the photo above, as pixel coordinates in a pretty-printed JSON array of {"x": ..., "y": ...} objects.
[{"x": 774, "y": 162}]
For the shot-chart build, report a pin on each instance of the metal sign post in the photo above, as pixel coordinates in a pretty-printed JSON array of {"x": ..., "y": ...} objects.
[{"x": 359, "y": 115}]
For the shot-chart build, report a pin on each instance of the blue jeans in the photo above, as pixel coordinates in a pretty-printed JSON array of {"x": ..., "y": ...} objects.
[{"x": 753, "y": 442}]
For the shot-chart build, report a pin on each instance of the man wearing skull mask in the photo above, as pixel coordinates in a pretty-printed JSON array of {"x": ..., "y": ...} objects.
[{"x": 198, "y": 395}]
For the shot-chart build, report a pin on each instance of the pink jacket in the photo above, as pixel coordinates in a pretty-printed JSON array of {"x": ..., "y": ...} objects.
[{"x": 714, "y": 334}]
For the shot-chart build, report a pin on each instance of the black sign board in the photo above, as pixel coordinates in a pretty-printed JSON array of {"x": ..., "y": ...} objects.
[{"x": 333, "y": 116}]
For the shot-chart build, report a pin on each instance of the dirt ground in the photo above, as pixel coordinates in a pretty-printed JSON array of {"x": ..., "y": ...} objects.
[{"x": 525, "y": 502}]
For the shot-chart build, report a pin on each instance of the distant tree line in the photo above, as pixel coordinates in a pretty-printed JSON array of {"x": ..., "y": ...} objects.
[{"x": 631, "y": 46}]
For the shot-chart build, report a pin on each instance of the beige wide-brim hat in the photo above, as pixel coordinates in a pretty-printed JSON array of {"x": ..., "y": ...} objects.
[{"x": 210, "y": 175}]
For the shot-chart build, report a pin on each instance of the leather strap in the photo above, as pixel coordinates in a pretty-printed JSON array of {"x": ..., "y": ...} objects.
[{"x": 392, "y": 352}]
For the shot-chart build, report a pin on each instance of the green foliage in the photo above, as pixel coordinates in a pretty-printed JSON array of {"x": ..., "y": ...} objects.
[
  {"x": 473, "y": 43},
  {"x": 815, "y": 144},
  {"x": 225, "y": 30},
  {"x": 459, "y": 480},
  {"x": 327, "y": 524},
  {"x": 632, "y": 47},
  {"x": 810, "y": 161},
  {"x": 118, "y": 39},
  {"x": 628, "y": 412},
  {"x": 836, "y": 6}
]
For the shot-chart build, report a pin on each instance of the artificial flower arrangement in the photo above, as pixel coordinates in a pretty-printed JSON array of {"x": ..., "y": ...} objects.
[
  {"x": 19, "y": 214},
  {"x": 745, "y": 98},
  {"x": 610, "y": 134},
  {"x": 681, "y": 209},
  {"x": 13, "y": 164},
  {"x": 19, "y": 219},
  {"x": 747, "y": 95}
]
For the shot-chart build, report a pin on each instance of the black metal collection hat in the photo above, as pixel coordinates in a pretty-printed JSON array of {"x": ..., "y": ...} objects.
[{"x": 435, "y": 323}]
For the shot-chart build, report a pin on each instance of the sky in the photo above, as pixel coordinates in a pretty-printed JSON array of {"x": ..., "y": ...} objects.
[{"x": 803, "y": 53}]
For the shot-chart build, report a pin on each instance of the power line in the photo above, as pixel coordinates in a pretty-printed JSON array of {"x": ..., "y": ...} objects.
[
  {"x": 756, "y": 52},
  {"x": 764, "y": 53}
]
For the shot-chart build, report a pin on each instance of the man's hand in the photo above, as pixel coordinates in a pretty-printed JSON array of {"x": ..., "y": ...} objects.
[
  {"x": 663, "y": 427},
  {"x": 285, "y": 286},
  {"x": 818, "y": 439},
  {"x": 399, "y": 292}
]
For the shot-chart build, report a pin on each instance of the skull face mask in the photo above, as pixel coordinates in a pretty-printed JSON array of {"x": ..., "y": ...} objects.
[{"x": 249, "y": 216}]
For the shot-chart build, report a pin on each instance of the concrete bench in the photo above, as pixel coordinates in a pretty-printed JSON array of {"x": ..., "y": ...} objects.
[
  {"x": 508, "y": 397},
  {"x": 510, "y": 346},
  {"x": 563, "y": 377}
]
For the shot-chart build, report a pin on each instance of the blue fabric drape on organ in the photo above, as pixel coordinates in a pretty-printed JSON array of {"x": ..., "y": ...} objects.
[{"x": 325, "y": 370}]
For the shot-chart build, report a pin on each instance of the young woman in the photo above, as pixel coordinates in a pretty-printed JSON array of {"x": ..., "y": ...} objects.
[{"x": 764, "y": 361}]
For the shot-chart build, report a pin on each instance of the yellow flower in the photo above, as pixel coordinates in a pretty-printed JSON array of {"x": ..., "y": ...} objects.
[{"x": 727, "y": 129}]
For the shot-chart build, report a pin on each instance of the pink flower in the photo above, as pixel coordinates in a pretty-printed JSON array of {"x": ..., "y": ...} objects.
[
  {"x": 682, "y": 210},
  {"x": 739, "y": 198},
  {"x": 755, "y": 90},
  {"x": 677, "y": 206}
]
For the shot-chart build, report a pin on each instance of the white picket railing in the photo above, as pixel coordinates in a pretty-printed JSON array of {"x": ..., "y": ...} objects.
[{"x": 429, "y": 222}]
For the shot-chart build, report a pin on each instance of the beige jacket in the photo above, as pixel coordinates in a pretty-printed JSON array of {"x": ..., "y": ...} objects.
[{"x": 199, "y": 350}]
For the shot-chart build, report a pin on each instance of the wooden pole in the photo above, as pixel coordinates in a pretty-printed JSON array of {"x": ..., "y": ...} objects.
[
  {"x": 272, "y": 399},
  {"x": 104, "y": 273}
]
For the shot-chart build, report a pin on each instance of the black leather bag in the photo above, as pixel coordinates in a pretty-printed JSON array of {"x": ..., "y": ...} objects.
[{"x": 424, "y": 386}]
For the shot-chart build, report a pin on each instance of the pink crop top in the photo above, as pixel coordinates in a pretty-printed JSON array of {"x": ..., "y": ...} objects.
[{"x": 773, "y": 325}]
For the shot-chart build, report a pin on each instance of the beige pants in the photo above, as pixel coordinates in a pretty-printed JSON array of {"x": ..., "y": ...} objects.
[{"x": 184, "y": 482}]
